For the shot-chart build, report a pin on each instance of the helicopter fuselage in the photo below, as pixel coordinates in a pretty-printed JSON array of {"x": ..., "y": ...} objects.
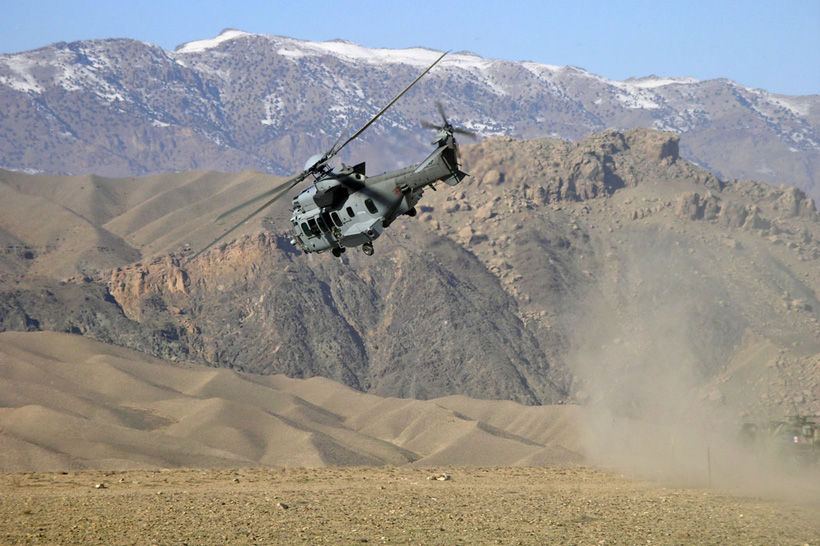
[{"x": 345, "y": 208}]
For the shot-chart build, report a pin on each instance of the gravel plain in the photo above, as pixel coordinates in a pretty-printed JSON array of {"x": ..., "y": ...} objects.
[{"x": 387, "y": 505}]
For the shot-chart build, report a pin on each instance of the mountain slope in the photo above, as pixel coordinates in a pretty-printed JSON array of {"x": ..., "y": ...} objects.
[
  {"x": 606, "y": 271},
  {"x": 244, "y": 101}
]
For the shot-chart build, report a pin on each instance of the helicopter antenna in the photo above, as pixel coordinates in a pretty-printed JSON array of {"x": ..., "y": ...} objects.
[{"x": 315, "y": 166}]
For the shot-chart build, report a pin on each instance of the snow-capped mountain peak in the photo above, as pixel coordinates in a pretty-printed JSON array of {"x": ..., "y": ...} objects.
[{"x": 243, "y": 100}]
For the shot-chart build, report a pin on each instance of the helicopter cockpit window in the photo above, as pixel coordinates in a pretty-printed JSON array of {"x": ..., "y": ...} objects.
[
  {"x": 336, "y": 220},
  {"x": 322, "y": 224},
  {"x": 350, "y": 212},
  {"x": 306, "y": 229},
  {"x": 371, "y": 206}
]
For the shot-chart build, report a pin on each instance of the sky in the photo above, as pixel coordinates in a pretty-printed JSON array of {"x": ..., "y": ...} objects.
[{"x": 766, "y": 44}]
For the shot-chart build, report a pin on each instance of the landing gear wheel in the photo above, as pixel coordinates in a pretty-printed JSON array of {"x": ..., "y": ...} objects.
[
  {"x": 412, "y": 212},
  {"x": 367, "y": 248},
  {"x": 337, "y": 251}
]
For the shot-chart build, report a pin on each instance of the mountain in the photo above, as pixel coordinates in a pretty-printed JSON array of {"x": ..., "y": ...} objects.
[
  {"x": 243, "y": 101},
  {"x": 608, "y": 271}
]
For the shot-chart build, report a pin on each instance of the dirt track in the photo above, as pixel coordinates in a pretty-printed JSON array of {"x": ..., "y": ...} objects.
[{"x": 385, "y": 506}]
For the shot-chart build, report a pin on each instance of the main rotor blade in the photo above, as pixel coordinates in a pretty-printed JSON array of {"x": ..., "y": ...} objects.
[
  {"x": 290, "y": 182},
  {"x": 293, "y": 181},
  {"x": 465, "y": 132},
  {"x": 441, "y": 111},
  {"x": 335, "y": 150}
]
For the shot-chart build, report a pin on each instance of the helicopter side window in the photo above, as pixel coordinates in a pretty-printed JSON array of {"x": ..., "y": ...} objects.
[
  {"x": 322, "y": 224},
  {"x": 306, "y": 229},
  {"x": 350, "y": 212},
  {"x": 371, "y": 206},
  {"x": 314, "y": 229},
  {"x": 336, "y": 220}
]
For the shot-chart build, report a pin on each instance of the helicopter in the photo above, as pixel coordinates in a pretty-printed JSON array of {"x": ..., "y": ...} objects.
[{"x": 345, "y": 208}]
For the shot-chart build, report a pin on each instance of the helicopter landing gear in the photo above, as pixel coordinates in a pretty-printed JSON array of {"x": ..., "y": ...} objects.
[
  {"x": 367, "y": 248},
  {"x": 337, "y": 251}
]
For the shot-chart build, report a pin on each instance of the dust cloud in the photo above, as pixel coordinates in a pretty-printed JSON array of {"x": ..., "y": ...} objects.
[{"x": 641, "y": 372}]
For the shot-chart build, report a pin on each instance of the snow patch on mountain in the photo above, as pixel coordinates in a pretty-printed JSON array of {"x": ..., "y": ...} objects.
[
  {"x": 20, "y": 77},
  {"x": 200, "y": 46},
  {"x": 796, "y": 105},
  {"x": 542, "y": 70},
  {"x": 343, "y": 49},
  {"x": 653, "y": 82}
]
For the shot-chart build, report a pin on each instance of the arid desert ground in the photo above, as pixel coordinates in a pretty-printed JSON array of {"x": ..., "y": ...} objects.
[{"x": 387, "y": 505}]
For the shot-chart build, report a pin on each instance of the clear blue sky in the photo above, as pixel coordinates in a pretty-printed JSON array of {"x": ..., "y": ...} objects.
[{"x": 768, "y": 44}]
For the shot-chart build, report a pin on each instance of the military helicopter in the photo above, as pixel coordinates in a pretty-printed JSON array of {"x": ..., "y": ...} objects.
[{"x": 344, "y": 207}]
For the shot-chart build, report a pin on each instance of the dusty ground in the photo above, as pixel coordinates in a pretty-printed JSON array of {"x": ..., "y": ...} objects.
[{"x": 386, "y": 506}]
